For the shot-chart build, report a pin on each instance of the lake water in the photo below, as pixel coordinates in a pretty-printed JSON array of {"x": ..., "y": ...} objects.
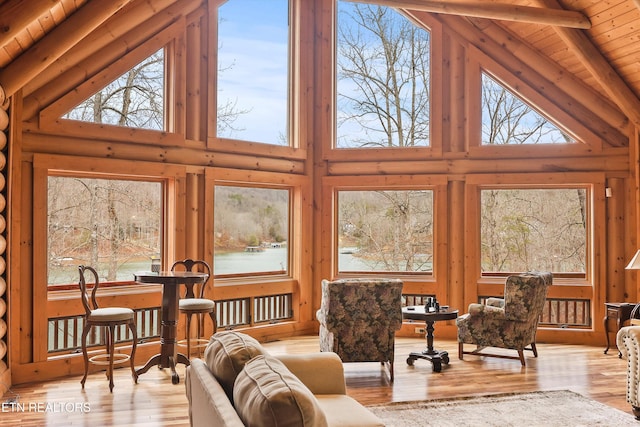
[{"x": 272, "y": 259}]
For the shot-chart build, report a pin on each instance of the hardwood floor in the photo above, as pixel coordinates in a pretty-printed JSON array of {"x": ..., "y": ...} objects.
[{"x": 154, "y": 401}]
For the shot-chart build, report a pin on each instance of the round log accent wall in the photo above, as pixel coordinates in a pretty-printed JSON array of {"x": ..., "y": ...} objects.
[{"x": 4, "y": 136}]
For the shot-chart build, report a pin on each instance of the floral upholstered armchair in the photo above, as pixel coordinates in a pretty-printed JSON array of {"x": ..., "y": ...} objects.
[
  {"x": 359, "y": 318},
  {"x": 510, "y": 322}
]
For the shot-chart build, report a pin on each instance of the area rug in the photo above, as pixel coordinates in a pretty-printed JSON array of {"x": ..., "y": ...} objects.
[{"x": 560, "y": 408}]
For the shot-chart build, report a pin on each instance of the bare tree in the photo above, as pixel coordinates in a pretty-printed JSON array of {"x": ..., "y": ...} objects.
[
  {"x": 92, "y": 222},
  {"x": 228, "y": 111},
  {"x": 506, "y": 119},
  {"x": 391, "y": 230},
  {"x": 383, "y": 101},
  {"x": 533, "y": 229},
  {"x": 249, "y": 216},
  {"x": 135, "y": 99},
  {"x": 103, "y": 223},
  {"x": 383, "y": 79}
]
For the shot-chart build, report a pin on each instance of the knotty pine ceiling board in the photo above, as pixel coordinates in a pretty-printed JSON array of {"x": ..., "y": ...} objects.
[{"x": 37, "y": 29}]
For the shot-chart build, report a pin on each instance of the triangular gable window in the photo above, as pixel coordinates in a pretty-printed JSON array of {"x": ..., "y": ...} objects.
[
  {"x": 509, "y": 120},
  {"x": 135, "y": 99}
]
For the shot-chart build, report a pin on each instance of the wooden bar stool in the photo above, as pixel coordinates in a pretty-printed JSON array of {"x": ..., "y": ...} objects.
[
  {"x": 108, "y": 318},
  {"x": 195, "y": 303}
]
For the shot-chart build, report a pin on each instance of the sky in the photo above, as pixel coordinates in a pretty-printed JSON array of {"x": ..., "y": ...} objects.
[
  {"x": 253, "y": 57},
  {"x": 253, "y": 54}
]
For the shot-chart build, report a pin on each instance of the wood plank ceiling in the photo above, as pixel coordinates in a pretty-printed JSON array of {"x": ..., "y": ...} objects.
[
  {"x": 614, "y": 33},
  {"x": 23, "y": 23}
]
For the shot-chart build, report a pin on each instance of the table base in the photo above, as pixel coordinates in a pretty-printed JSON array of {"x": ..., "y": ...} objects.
[
  {"x": 436, "y": 357},
  {"x": 171, "y": 281},
  {"x": 165, "y": 362}
]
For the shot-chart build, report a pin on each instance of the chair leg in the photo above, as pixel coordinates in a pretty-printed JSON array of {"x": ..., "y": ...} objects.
[
  {"x": 188, "y": 331},
  {"x": 85, "y": 331},
  {"x": 212, "y": 314},
  {"x": 134, "y": 335},
  {"x": 200, "y": 328},
  {"x": 534, "y": 349},
  {"x": 521, "y": 355},
  {"x": 111, "y": 340},
  {"x": 460, "y": 350}
]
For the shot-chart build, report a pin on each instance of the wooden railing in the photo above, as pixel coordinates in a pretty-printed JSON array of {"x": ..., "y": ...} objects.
[
  {"x": 566, "y": 313},
  {"x": 65, "y": 332},
  {"x": 254, "y": 310},
  {"x": 557, "y": 313}
]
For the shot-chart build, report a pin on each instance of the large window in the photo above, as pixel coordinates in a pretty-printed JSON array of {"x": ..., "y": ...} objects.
[
  {"x": 253, "y": 71},
  {"x": 113, "y": 225},
  {"x": 251, "y": 230},
  {"x": 135, "y": 99},
  {"x": 535, "y": 229},
  {"x": 385, "y": 230},
  {"x": 509, "y": 120},
  {"x": 383, "y": 79}
]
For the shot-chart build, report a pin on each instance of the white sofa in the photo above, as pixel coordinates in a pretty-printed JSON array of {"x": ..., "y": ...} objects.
[{"x": 239, "y": 384}]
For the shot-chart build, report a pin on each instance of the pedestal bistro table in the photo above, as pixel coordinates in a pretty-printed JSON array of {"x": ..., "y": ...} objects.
[
  {"x": 170, "y": 281},
  {"x": 418, "y": 312}
]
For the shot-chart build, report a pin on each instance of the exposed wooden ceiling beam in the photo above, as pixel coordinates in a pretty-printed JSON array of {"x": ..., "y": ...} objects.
[
  {"x": 600, "y": 68},
  {"x": 60, "y": 40},
  {"x": 16, "y": 15},
  {"x": 507, "y": 12}
]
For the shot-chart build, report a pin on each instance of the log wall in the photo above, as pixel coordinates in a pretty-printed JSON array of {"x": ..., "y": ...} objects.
[
  {"x": 192, "y": 159},
  {"x": 5, "y": 135}
]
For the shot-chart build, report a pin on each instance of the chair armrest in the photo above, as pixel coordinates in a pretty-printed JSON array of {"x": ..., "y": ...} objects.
[
  {"x": 628, "y": 336},
  {"x": 483, "y": 310},
  {"x": 495, "y": 302},
  {"x": 321, "y": 372}
]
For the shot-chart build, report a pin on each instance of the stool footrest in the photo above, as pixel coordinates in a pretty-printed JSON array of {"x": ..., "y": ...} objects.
[
  {"x": 195, "y": 343},
  {"x": 103, "y": 358}
]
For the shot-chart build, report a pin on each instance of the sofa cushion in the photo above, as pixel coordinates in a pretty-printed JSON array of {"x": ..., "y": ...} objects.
[
  {"x": 267, "y": 394},
  {"x": 208, "y": 403},
  {"x": 344, "y": 411},
  {"x": 226, "y": 355}
]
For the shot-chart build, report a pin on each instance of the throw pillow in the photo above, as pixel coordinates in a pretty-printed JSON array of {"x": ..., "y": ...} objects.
[
  {"x": 267, "y": 394},
  {"x": 226, "y": 355}
]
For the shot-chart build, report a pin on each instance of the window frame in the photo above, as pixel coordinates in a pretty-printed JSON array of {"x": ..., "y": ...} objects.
[
  {"x": 173, "y": 180},
  {"x": 478, "y": 63},
  {"x": 50, "y": 117},
  {"x": 298, "y": 215},
  {"x": 534, "y": 109},
  {"x": 594, "y": 183},
  {"x": 300, "y": 32},
  {"x": 73, "y": 174},
  {"x": 168, "y": 176},
  {"x": 332, "y": 153},
  {"x": 332, "y": 185},
  {"x": 266, "y": 273}
]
